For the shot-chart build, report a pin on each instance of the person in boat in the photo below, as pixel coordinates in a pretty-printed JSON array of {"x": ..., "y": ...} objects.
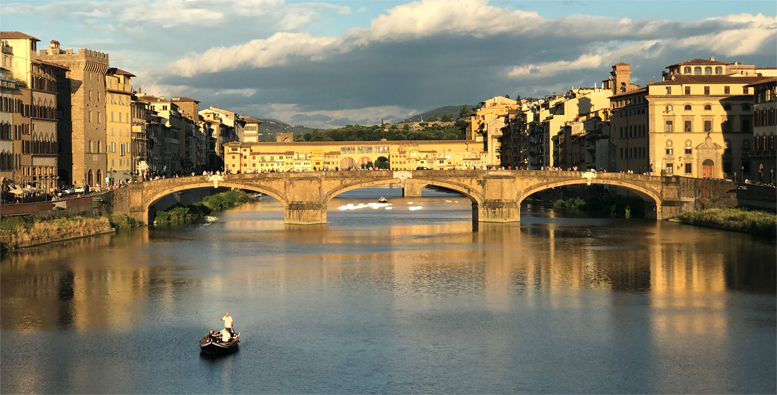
[
  {"x": 228, "y": 322},
  {"x": 213, "y": 336},
  {"x": 225, "y": 335}
]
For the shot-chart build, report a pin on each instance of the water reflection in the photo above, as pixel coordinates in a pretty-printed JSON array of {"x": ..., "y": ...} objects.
[{"x": 393, "y": 294}]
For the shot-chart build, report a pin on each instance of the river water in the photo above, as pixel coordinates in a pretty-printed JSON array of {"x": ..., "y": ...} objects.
[{"x": 395, "y": 301}]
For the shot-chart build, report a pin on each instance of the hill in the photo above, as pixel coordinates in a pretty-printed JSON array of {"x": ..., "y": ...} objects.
[
  {"x": 440, "y": 111},
  {"x": 269, "y": 127}
]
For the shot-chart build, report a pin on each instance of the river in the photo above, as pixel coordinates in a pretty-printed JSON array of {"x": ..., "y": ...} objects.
[{"x": 395, "y": 301}]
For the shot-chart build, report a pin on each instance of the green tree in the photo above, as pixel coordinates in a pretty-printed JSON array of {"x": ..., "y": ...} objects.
[
  {"x": 518, "y": 98},
  {"x": 507, "y": 96},
  {"x": 447, "y": 118},
  {"x": 435, "y": 118},
  {"x": 464, "y": 113},
  {"x": 382, "y": 163},
  {"x": 406, "y": 128}
]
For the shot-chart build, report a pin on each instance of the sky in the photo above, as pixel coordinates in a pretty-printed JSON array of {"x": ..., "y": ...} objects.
[{"x": 329, "y": 64}]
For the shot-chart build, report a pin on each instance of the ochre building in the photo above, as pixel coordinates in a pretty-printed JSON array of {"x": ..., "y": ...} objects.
[{"x": 346, "y": 155}]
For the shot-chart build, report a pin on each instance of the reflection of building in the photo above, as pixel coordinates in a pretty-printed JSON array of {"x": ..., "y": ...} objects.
[
  {"x": 765, "y": 127},
  {"x": 305, "y": 156}
]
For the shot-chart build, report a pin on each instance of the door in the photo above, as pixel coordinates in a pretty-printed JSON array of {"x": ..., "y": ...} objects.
[{"x": 708, "y": 169}]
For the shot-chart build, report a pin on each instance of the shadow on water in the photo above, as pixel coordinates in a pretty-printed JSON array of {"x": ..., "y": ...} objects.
[{"x": 213, "y": 358}]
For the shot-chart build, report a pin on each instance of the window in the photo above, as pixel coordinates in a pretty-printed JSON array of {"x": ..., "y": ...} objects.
[
  {"x": 670, "y": 168},
  {"x": 727, "y": 90},
  {"x": 686, "y": 70},
  {"x": 688, "y": 151},
  {"x": 697, "y": 70},
  {"x": 745, "y": 90},
  {"x": 706, "y": 91},
  {"x": 718, "y": 70},
  {"x": 687, "y": 107},
  {"x": 708, "y": 70},
  {"x": 727, "y": 107},
  {"x": 746, "y": 126},
  {"x": 687, "y": 90},
  {"x": 707, "y": 107},
  {"x": 707, "y": 126},
  {"x": 668, "y": 90},
  {"x": 688, "y": 168},
  {"x": 668, "y": 127},
  {"x": 745, "y": 107},
  {"x": 111, "y": 116},
  {"x": 122, "y": 149},
  {"x": 119, "y": 117},
  {"x": 668, "y": 108},
  {"x": 687, "y": 126}
]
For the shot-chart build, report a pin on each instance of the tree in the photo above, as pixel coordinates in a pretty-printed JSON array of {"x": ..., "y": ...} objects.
[
  {"x": 447, "y": 118},
  {"x": 435, "y": 118},
  {"x": 518, "y": 98},
  {"x": 382, "y": 163},
  {"x": 464, "y": 113},
  {"x": 406, "y": 127},
  {"x": 507, "y": 96}
]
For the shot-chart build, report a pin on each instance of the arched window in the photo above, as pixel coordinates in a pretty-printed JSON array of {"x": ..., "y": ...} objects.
[
  {"x": 91, "y": 146},
  {"x": 668, "y": 107},
  {"x": 727, "y": 107},
  {"x": 697, "y": 70},
  {"x": 745, "y": 147},
  {"x": 687, "y": 107},
  {"x": 745, "y": 107},
  {"x": 708, "y": 70},
  {"x": 729, "y": 147},
  {"x": 686, "y": 70},
  {"x": 707, "y": 107}
]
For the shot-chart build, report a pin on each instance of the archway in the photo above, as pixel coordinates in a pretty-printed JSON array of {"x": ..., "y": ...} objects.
[
  {"x": 154, "y": 196},
  {"x": 708, "y": 168},
  {"x": 89, "y": 178},
  {"x": 99, "y": 177},
  {"x": 653, "y": 203},
  {"x": 346, "y": 163}
]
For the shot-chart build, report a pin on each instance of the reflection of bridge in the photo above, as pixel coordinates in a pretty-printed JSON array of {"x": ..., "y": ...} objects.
[{"x": 496, "y": 195}]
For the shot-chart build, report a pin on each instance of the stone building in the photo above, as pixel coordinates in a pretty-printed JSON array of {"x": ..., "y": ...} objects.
[
  {"x": 34, "y": 102},
  {"x": 7, "y": 108},
  {"x": 140, "y": 138},
  {"x": 486, "y": 123},
  {"x": 251, "y": 132},
  {"x": 698, "y": 122},
  {"x": 170, "y": 118},
  {"x": 346, "y": 155},
  {"x": 118, "y": 112},
  {"x": 81, "y": 129},
  {"x": 764, "y": 151}
]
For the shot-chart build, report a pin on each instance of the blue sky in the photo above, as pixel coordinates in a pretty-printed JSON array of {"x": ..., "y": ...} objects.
[{"x": 326, "y": 64}]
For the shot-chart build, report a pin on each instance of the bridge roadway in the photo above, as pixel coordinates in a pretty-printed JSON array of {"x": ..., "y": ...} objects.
[{"x": 496, "y": 195}]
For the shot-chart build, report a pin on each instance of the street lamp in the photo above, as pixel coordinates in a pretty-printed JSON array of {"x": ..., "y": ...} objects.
[{"x": 743, "y": 172}]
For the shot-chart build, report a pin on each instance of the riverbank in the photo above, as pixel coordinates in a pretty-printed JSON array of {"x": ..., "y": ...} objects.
[
  {"x": 616, "y": 207},
  {"x": 27, "y": 231},
  {"x": 759, "y": 223},
  {"x": 180, "y": 215}
]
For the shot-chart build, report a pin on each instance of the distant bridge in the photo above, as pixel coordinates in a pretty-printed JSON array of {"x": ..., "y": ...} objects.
[{"x": 496, "y": 195}]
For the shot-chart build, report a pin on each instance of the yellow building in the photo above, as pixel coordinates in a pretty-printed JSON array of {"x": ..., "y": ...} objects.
[
  {"x": 346, "y": 155},
  {"x": 486, "y": 123},
  {"x": 696, "y": 124},
  {"x": 118, "y": 107}
]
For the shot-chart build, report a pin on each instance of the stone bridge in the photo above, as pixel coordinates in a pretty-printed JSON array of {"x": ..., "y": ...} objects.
[{"x": 496, "y": 195}]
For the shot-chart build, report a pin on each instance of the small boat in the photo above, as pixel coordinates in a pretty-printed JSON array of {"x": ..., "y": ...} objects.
[
  {"x": 382, "y": 200},
  {"x": 214, "y": 345}
]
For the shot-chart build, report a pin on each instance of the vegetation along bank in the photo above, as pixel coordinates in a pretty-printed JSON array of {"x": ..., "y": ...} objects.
[
  {"x": 760, "y": 223},
  {"x": 198, "y": 211},
  {"x": 28, "y": 231}
]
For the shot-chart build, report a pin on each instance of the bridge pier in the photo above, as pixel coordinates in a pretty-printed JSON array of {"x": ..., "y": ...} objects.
[
  {"x": 412, "y": 189},
  {"x": 498, "y": 211},
  {"x": 304, "y": 213}
]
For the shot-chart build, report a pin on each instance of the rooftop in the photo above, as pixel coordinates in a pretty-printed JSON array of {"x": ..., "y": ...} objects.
[
  {"x": 185, "y": 99},
  {"x": 697, "y": 61},
  {"x": 16, "y": 36},
  {"x": 252, "y": 120},
  {"x": 709, "y": 79},
  {"x": 59, "y": 66},
  {"x": 114, "y": 70}
]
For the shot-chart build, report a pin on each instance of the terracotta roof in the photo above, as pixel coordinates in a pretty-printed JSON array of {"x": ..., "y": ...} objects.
[
  {"x": 152, "y": 99},
  {"x": 114, "y": 70},
  {"x": 765, "y": 80},
  {"x": 700, "y": 62},
  {"x": 680, "y": 79},
  {"x": 118, "y": 91},
  {"x": 622, "y": 64},
  {"x": 16, "y": 36},
  {"x": 185, "y": 99},
  {"x": 59, "y": 66},
  {"x": 252, "y": 120},
  {"x": 640, "y": 90}
]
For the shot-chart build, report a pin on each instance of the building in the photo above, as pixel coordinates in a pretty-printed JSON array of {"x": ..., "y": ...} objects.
[
  {"x": 486, "y": 123},
  {"x": 7, "y": 109},
  {"x": 584, "y": 144},
  {"x": 223, "y": 131},
  {"x": 33, "y": 96},
  {"x": 352, "y": 155},
  {"x": 140, "y": 138},
  {"x": 764, "y": 152},
  {"x": 251, "y": 132},
  {"x": 697, "y": 122},
  {"x": 168, "y": 151},
  {"x": 81, "y": 127},
  {"x": 118, "y": 103}
]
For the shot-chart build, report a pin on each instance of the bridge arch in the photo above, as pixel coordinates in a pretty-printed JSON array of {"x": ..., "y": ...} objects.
[
  {"x": 155, "y": 197},
  {"x": 462, "y": 189},
  {"x": 645, "y": 193}
]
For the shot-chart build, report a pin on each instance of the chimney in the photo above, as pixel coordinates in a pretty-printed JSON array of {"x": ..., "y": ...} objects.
[{"x": 712, "y": 58}]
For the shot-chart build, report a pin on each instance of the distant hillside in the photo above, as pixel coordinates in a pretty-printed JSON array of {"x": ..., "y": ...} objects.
[
  {"x": 269, "y": 127},
  {"x": 440, "y": 111}
]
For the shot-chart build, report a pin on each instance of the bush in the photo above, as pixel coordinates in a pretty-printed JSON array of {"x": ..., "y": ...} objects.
[
  {"x": 756, "y": 222},
  {"x": 20, "y": 232},
  {"x": 572, "y": 203},
  {"x": 120, "y": 221},
  {"x": 187, "y": 214}
]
